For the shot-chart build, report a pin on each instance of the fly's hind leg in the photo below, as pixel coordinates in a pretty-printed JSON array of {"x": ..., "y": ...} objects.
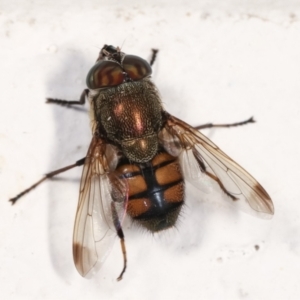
[
  {"x": 81, "y": 101},
  {"x": 212, "y": 176},
  {"x": 211, "y": 125},
  {"x": 120, "y": 234}
]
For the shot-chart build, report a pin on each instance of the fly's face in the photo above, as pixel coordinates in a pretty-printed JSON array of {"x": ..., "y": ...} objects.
[{"x": 126, "y": 106}]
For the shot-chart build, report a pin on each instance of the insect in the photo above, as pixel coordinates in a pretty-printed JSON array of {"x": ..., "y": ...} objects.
[{"x": 139, "y": 158}]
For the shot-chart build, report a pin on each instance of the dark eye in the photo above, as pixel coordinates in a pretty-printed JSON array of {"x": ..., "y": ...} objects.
[
  {"x": 136, "y": 67},
  {"x": 103, "y": 74}
]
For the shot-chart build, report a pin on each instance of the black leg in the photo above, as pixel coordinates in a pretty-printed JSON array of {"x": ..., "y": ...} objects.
[
  {"x": 215, "y": 178},
  {"x": 47, "y": 176},
  {"x": 81, "y": 101},
  {"x": 153, "y": 57},
  {"x": 211, "y": 125},
  {"x": 121, "y": 236}
]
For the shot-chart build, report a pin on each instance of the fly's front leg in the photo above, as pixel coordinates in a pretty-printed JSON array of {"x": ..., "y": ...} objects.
[
  {"x": 153, "y": 57},
  {"x": 211, "y": 125},
  {"x": 81, "y": 101},
  {"x": 47, "y": 176}
]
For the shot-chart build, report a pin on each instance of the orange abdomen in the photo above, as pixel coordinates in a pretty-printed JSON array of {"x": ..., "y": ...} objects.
[{"x": 156, "y": 191}]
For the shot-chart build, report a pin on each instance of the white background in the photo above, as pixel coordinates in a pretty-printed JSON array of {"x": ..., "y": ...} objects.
[{"x": 219, "y": 61}]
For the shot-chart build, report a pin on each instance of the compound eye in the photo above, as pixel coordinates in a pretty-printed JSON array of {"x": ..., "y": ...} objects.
[
  {"x": 103, "y": 74},
  {"x": 136, "y": 67}
]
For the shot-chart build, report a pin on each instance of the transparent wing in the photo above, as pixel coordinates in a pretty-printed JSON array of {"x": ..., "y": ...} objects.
[
  {"x": 203, "y": 161},
  {"x": 94, "y": 229}
]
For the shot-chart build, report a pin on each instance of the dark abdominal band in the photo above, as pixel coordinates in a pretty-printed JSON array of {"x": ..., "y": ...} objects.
[{"x": 155, "y": 192}]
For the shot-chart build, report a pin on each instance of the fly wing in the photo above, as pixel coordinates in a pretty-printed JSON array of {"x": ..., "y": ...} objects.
[
  {"x": 204, "y": 160},
  {"x": 94, "y": 229}
]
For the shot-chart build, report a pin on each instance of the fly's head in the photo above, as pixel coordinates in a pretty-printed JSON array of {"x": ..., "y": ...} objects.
[{"x": 114, "y": 67}]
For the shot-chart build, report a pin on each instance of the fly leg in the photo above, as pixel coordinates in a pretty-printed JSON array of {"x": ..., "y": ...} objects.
[
  {"x": 81, "y": 101},
  {"x": 211, "y": 125},
  {"x": 47, "y": 176},
  {"x": 153, "y": 56},
  {"x": 120, "y": 234}
]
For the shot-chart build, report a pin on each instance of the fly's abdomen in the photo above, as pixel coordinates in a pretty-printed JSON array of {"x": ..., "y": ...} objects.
[{"x": 156, "y": 191}]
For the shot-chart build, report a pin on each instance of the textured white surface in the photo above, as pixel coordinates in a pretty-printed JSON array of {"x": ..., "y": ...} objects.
[{"x": 218, "y": 62}]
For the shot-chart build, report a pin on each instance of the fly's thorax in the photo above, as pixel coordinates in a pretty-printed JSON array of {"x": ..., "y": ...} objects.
[{"x": 131, "y": 116}]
